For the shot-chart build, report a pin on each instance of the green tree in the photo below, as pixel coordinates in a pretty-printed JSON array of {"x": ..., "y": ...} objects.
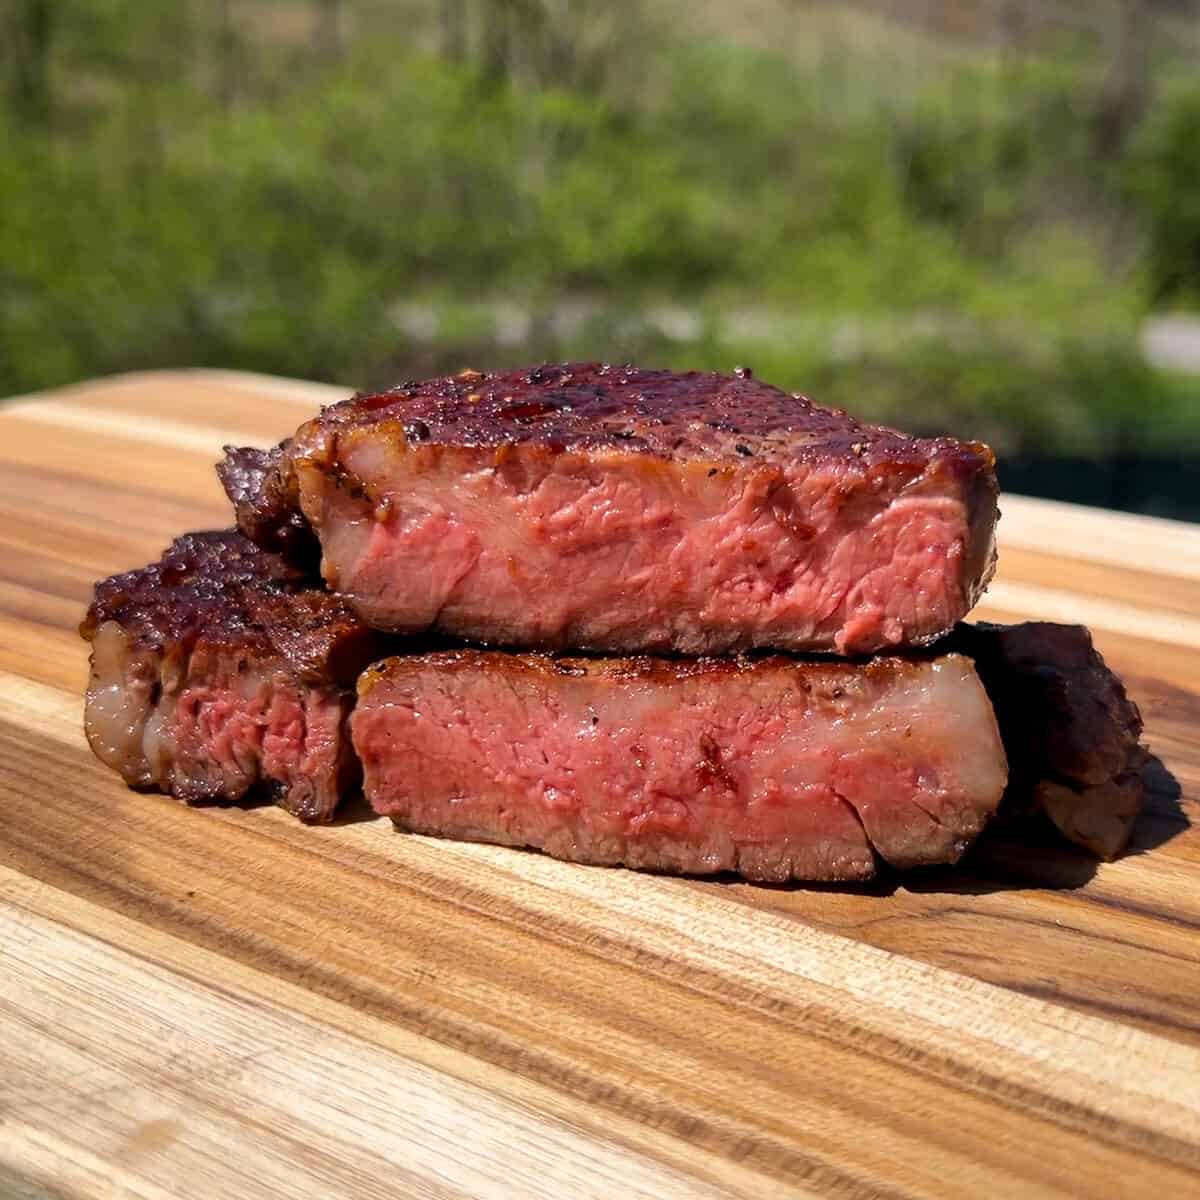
[{"x": 30, "y": 27}]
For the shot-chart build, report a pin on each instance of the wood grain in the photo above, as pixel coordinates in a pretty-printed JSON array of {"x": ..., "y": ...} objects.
[{"x": 222, "y": 1002}]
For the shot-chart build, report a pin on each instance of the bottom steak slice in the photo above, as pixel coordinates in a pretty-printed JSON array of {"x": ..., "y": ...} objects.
[
  {"x": 221, "y": 669},
  {"x": 775, "y": 768}
]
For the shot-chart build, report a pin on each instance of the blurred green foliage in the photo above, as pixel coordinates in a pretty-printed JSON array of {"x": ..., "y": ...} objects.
[
  {"x": 200, "y": 184},
  {"x": 1163, "y": 178}
]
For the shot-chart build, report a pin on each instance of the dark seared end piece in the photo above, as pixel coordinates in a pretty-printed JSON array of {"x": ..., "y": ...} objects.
[
  {"x": 619, "y": 509},
  {"x": 774, "y": 768},
  {"x": 1071, "y": 732},
  {"x": 265, "y": 503},
  {"x": 222, "y": 669}
]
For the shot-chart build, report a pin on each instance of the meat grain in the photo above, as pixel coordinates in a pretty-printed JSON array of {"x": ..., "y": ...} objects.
[{"x": 774, "y": 768}]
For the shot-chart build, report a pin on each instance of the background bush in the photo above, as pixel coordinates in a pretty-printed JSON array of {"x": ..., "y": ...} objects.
[{"x": 938, "y": 226}]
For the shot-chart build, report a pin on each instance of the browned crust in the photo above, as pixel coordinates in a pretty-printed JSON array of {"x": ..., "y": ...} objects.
[
  {"x": 831, "y": 673},
  {"x": 219, "y": 587},
  {"x": 983, "y": 494},
  {"x": 261, "y": 486},
  {"x": 681, "y": 415}
]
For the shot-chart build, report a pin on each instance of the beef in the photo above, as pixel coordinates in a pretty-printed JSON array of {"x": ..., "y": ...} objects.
[
  {"x": 1071, "y": 733},
  {"x": 617, "y": 509},
  {"x": 774, "y": 768},
  {"x": 223, "y": 669},
  {"x": 265, "y": 504}
]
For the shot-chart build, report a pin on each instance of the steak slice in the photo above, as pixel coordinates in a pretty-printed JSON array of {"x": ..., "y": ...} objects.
[
  {"x": 221, "y": 668},
  {"x": 1070, "y": 730},
  {"x": 618, "y": 509},
  {"x": 776, "y": 769},
  {"x": 265, "y": 504}
]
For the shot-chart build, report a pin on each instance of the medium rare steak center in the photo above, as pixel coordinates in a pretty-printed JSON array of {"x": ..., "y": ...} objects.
[{"x": 775, "y": 769}]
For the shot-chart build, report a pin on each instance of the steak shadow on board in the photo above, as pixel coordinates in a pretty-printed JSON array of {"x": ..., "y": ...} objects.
[{"x": 583, "y": 506}]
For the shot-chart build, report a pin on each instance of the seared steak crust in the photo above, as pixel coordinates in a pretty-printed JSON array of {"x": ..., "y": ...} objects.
[
  {"x": 265, "y": 503},
  {"x": 221, "y": 669},
  {"x": 613, "y": 508},
  {"x": 220, "y": 587},
  {"x": 674, "y": 416},
  {"x": 1071, "y": 732}
]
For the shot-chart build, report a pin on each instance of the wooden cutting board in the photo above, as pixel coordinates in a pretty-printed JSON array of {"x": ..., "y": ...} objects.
[{"x": 224, "y": 1003}]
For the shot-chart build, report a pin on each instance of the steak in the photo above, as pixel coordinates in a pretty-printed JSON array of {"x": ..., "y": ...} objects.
[
  {"x": 221, "y": 669},
  {"x": 776, "y": 768},
  {"x": 263, "y": 505},
  {"x": 1070, "y": 730},
  {"x": 610, "y": 508}
]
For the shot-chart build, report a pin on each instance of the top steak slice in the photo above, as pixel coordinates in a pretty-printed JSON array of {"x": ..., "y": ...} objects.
[
  {"x": 222, "y": 668},
  {"x": 620, "y": 509},
  {"x": 1071, "y": 732}
]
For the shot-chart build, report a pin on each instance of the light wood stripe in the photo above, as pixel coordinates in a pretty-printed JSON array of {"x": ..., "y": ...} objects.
[
  {"x": 276, "y": 1083},
  {"x": 1165, "y": 593},
  {"x": 47, "y": 708},
  {"x": 152, "y": 473},
  {"x": 33, "y": 652},
  {"x": 1037, "y": 602},
  {"x": 162, "y": 431},
  {"x": 1075, "y": 531},
  {"x": 23, "y": 896}
]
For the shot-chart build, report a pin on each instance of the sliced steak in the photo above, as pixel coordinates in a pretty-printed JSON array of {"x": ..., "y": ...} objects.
[
  {"x": 583, "y": 506},
  {"x": 265, "y": 503},
  {"x": 776, "y": 769},
  {"x": 1070, "y": 730},
  {"x": 222, "y": 668}
]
